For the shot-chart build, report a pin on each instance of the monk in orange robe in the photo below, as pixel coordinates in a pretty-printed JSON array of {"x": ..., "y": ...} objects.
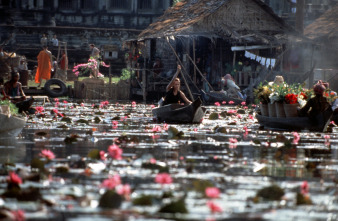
[{"x": 44, "y": 66}]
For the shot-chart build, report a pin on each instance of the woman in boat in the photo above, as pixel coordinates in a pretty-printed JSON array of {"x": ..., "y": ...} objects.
[
  {"x": 174, "y": 94},
  {"x": 233, "y": 90},
  {"x": 13, "y": 91},
  {"x": 317, "y": 104}
]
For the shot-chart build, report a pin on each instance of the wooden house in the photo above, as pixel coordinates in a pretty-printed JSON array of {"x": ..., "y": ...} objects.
[{"x": 221, "y": 33}]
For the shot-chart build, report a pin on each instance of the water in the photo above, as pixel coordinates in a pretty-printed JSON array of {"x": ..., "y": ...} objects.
[{"x": 230, "y": 153}]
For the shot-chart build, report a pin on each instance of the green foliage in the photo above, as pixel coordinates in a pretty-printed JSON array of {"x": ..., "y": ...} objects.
[
  {"x": 12, "y": 108},
  {"x": 201, "y": 185},
  {"x": 94, "y": 154},
  {"x": 110, "y": 199},
  {"x": 143, "y": 200},
  {"x": 174, "y": 207},
  {"x": 126, "y": 74},
  {"x": 272, "y": 192}
]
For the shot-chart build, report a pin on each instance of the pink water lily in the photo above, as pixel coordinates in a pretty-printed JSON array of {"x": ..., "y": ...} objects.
[
  {"x": 103, "y": 155},
  {"x": 231, "y": 102},
  {"x": 14, "y": 178},
  {"x": 243, "y": 103},
  {"x": 217, "y": 104},
  {"x": 111, "y": 182},
  {"x": 214, "y": 208},
  {"x": 57, "y": 104},
  {"x": 304, "y": 188},
  {"x": 124, "y": 190},
  {"x": 233, "y": 143},
  {"x": 115, "y": 124},
  {"x": 296, "y": 137},
  {"x": 224, "y": 102},
  {"x": 156, "y": 129},
  {"x": 47, "y": 154},
  {"x": 39, "y": 109},
  {"x": 133, "y": 104},
  {"x": 152, "y": 106},
  {"x": 251, "y": 117},
  {"x": 19, "y": 215},
  {"x": 165, "y": 127},
  {"x": 115, "y": 152},
  {"x": 239, "y": 116},
  {"x": 163, "y": 178},
  {"x": 212, "y": 192},
  {"x": 253, "y": 105}
]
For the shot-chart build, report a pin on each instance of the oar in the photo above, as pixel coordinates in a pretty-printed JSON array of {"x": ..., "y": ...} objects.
[{"x": 179, "y": 60}]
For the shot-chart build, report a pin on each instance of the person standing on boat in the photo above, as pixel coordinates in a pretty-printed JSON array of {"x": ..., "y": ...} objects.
[
  {"x": 13, "y": 91},
  {"x": 174, "y": 94},
  {"x": 317, "y": 104}
]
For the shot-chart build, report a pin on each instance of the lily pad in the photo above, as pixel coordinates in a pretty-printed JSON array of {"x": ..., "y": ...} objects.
[
  {"x": 67, "y": 119},
  {"x": 175, "y": 207},
  {"x": 110, "y": 199},
  {"x": 272, "y": 192},
  {"x": 174, "y": 133},
  {"x": 213, "y": 116},
  {"x": 82, "y": 121},
  {"x": 143, "y": 200}
]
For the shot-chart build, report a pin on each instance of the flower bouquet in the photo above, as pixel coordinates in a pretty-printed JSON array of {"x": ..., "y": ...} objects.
[{"x": 90, "y": 69}]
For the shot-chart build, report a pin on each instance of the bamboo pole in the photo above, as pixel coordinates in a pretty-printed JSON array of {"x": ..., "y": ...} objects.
[
  {"x": 194, "y": 54},
  {"x": 179, "y": 60},
  {"x": 200, "y": 72}
]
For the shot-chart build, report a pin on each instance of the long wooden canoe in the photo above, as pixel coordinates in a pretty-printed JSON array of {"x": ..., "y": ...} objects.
[
  {"x": 11, "y": 126},
  {"x": 296, "y": 123},
  {"x": 176, "y": 113}
]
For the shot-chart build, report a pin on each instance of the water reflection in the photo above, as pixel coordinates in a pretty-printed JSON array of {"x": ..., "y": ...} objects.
[{"x": 12, "y": 151}]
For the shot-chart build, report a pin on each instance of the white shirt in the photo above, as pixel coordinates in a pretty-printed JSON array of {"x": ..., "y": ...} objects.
[
  {"x": 232, "y": 84},
  {"x": 55, "y": 42}
]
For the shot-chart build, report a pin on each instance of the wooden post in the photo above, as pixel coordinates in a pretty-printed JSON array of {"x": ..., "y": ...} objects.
[
  {"x": 109, "y": 74},
  {"x": 233, "y": 66},
  {"x": 221, "y": 59},
  {"x": 194, "y": 54},
  {"x": 144, "y": 81}
]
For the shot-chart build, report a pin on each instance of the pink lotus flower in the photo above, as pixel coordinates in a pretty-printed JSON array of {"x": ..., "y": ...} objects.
[
  {"x": 82, "y": 104},
  {"x": 214, "y": 207},
  {"x": 56, "y": 99},
  {"x": 115, "y": 124},
  {"x": 231, "y": 102},
  {"x": 19, "y": 215},
  {"x": 165, "y": 127},
  {"x": 245, "y": 107},
  {"x": 181, "y": 158},
  {"x": 57, "y": 104},
  {"x": 152, "y": 160},
  {"x": 124, "y": 190},
  {"x": 233, "y": 143},
  {"x": 239, "y": 116},
  {"x": 133, "y": 104},
  {"x": 224, "y": 102},
  {"x": 296, "y": 137},
  {"x": 104, "y": 103},
  {"x": 232, "y": 111},
  {"x": 47, "y": 154},
  {"x": 152, "y": 106},
  {"x": 245, "y": 130},
  {"x": 111, "y": 182},
  {"x": 304, "y": 188},
  {"x": 115, "y": 152},
  {"x": 157, "y": 129},
  {"x": 217, "y": 104},
  {"x": 253, "y": 105},
  {"x": 243, "y": 103},
  {"x": 212, "y": 192},
  {"x": 65, "y": 102},
  {"x": 327, "y": 140},
  {"x": 251, "y": 117},
  {"x": 103, "y": 155},
  {"x": 195, "y": 129},
  {"x": 163, "y": 178},
  {"x": 14, "y": 178},
  {"x": 39, "y": 109}
]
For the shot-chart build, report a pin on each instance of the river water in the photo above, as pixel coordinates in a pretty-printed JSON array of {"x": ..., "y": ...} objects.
[{"x": 229, "y": 151}]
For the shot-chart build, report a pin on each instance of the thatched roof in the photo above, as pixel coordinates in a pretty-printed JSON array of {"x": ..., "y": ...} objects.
[
  {"x": 325, "y": 27},
  {"x": 239, "y": 20}
]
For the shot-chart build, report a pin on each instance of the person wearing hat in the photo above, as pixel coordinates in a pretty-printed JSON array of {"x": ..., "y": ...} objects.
[{"x": 317, "y": 104}]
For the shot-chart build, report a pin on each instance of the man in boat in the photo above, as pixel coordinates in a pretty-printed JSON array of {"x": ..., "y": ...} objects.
[
  {"x": 317, "y": 104},
  {"x": 174, "y": 94},
  {"x": 232, "y": 89},
  {"x": 13, "y": 91}
]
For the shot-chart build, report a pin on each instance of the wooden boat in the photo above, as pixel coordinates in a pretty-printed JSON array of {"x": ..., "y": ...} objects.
[
  {"x": 176, "y": 113},
  {"x": 11, "y": 126},
  {"x": 218, "y": 96},
  {"x": 296, "y": 123}
]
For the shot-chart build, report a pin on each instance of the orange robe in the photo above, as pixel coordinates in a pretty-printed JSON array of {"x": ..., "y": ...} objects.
[{"x": 44, "y": 66}]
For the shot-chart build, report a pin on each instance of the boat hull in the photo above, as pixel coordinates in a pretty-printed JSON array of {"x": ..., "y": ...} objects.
[
  {"x": 176, "y": 113},
  {"x": 11, "y": 126},
  {"x": 296, "y": 123},
  {"x": 214, "y": 96}
]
